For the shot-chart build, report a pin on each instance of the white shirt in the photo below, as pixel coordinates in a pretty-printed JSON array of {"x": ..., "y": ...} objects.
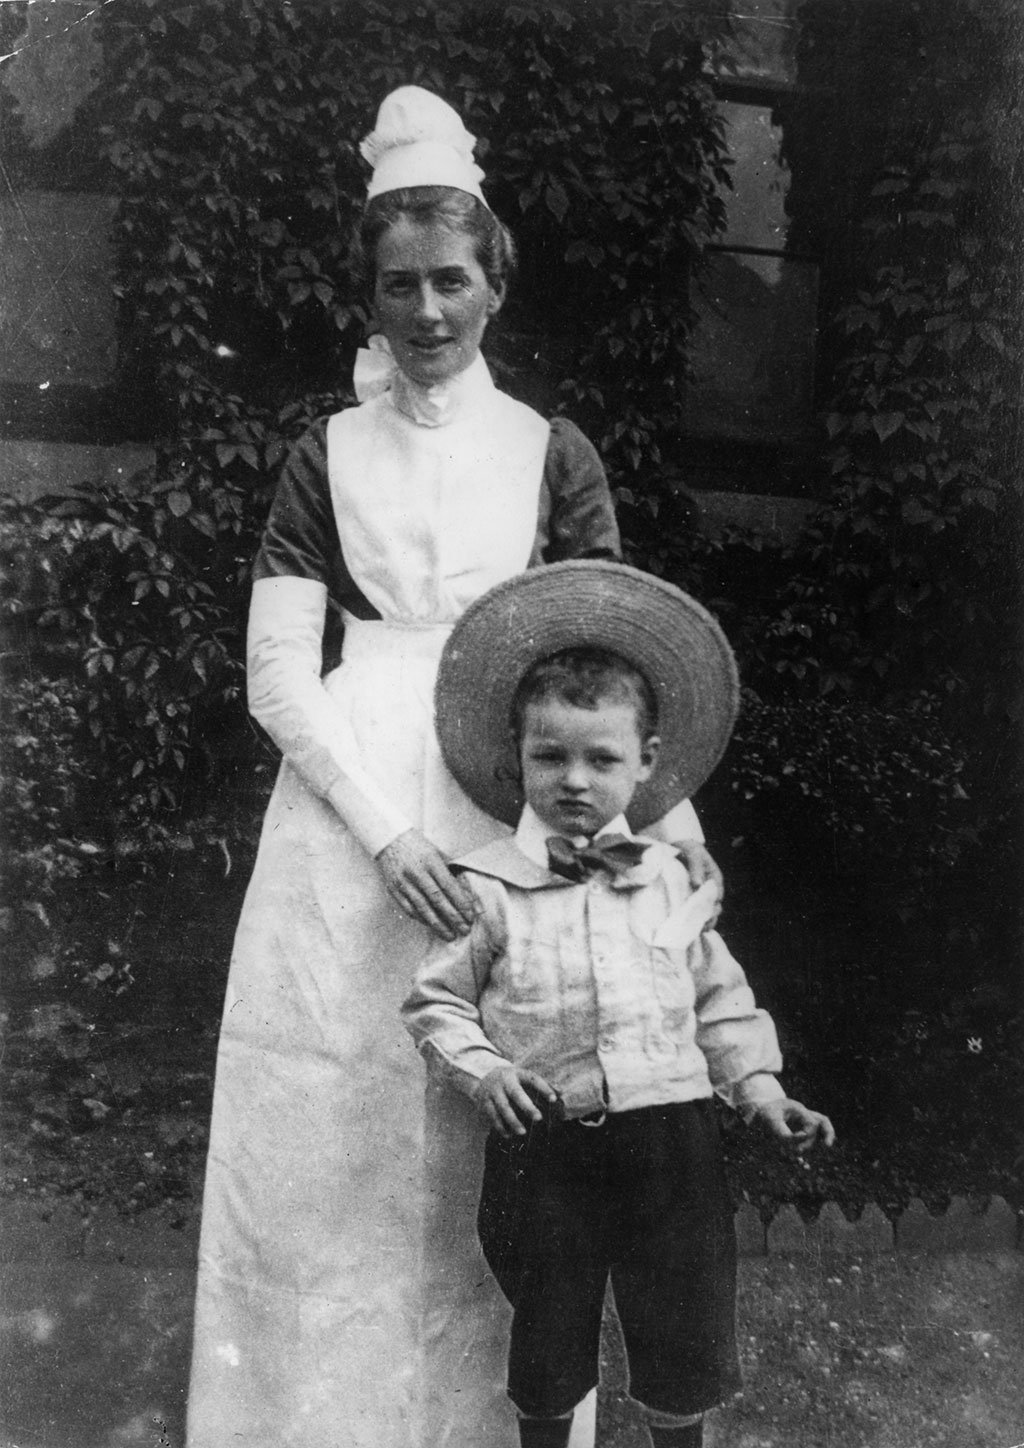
[{"x": 612, "y": 990}]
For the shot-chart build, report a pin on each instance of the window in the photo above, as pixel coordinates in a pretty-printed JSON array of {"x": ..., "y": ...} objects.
[{"x": 753, "y": 350}]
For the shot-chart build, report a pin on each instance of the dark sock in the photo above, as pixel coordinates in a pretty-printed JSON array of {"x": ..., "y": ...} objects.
[
  {"x": 692, "y": 1436},
  {"x": 545, "y": 1432}
]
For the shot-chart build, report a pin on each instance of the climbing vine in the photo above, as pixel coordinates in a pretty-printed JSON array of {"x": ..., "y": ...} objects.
[
  {"x": 913, "y": 194},
  {"x": 230, "y": 130}
]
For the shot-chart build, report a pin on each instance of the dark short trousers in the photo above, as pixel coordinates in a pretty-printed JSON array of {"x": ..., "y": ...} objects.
[{"x": 641, "y": 1198}]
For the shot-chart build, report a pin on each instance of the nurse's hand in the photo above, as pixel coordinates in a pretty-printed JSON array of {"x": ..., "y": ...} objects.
[
  {"x": 419, "y": 881},
  {"x": 701, "y": 867}
]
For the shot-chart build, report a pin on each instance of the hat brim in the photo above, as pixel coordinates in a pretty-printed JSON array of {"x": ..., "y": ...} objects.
[{"x": 671, "y": 638}]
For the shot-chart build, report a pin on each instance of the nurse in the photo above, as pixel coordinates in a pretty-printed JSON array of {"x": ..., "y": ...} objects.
[{"x": 342, "y": 1299}]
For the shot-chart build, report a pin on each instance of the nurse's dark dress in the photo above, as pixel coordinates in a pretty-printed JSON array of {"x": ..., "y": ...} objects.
[{"x": 342, "y": 1297}]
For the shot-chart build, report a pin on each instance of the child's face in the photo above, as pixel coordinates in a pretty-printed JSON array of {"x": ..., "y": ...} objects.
[{"x": 582, "y": 766}]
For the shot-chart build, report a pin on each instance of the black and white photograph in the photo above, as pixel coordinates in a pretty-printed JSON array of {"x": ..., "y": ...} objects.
[{"x": 512, "y": 723}]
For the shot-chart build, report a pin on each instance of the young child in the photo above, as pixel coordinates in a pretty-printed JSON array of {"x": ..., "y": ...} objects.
[{"x": 591, "y": 1013}]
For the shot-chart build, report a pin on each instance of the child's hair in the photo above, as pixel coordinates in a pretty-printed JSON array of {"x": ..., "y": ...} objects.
[
  {"x": 586, "y": 678},
  {"x": 458, "y": 210}
]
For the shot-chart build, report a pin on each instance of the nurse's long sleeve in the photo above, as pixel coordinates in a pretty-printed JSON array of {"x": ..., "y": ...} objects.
[
  {"x": 681, "y": 823},
  {"x": 286, "y": 696}
]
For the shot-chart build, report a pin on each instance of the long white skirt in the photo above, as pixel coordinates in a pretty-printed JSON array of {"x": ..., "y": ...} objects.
[{"x": 343, "y": 1300}]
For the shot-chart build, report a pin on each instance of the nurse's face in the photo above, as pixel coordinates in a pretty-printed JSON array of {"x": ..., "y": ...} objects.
[{"x": 432, "y": 299}]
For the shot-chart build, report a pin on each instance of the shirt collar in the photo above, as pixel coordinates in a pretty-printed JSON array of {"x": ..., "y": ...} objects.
[
  {"x": 447, "y": 401},
  {"x": 522, "y": 859},
  {"x": 532, "y": 834}
]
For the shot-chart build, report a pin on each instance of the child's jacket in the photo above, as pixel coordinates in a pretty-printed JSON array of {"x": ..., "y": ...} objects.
[{"x": 611, "y": 990}]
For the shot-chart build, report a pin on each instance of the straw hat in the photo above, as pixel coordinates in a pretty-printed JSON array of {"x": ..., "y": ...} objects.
[{"x": 668, "y": 636}]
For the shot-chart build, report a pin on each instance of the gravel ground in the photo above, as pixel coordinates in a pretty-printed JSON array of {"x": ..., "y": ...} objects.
[
  {"x": 898, "y": 1350},
  {"x": 887, "y": 1350}
]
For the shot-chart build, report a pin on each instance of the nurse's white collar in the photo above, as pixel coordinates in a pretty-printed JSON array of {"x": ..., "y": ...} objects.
[{"x": 445, "y": 402}]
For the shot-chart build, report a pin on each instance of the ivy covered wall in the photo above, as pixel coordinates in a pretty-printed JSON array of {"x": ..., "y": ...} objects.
[
  {"x": 868, "y": 814},
  {"x": 228, "y": 130},
  {"x": 235, "y": 151}
]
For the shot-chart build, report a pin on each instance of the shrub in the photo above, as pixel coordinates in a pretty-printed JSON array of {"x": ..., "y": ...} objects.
[
  {"x": 132, "y": 615},
  {"x": 39, "y": 793},
  {"x": 917, "y": 210},
  {"x": 859, "y": 786}
]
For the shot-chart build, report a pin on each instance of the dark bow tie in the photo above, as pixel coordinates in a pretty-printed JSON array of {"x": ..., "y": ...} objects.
[{"x": 615, "y": 854}]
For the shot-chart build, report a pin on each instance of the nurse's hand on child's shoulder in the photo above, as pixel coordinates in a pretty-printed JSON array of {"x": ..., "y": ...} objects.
[
  {"x": 505, "y": 1098},
  {"x": 418, "y": 879},
  {"x": 701, "y": 867},
  {"x": 794, "y": 1124}
]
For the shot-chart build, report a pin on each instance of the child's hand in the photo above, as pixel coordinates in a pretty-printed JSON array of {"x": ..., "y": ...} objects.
[
  {"x": 795, "y": 1124},
  {"x": 503, "y": 1101}
]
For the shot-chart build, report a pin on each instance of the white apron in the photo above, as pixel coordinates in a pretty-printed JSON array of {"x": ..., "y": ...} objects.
[{"x": 343, "y": 1301}]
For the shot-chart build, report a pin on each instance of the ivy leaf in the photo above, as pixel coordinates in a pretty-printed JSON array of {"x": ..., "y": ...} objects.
[
  {"x": 914, "y": 512},
  {"x": 886, "y": 423},
  {"x": 834, "y": 423},
  {"x": 910, "y": 350},
  {"x": 204, "y": 524},
  {"x": 892, "y": 186},
  {"x": 179, "y": 503},
  {"x": 993, "y": 336},
  {"x": 957, "y": 335},
  {"x": 556, "y": 200}
]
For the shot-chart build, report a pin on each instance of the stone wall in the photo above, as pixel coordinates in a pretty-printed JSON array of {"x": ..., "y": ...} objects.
[{"x": 59, "y": 422}]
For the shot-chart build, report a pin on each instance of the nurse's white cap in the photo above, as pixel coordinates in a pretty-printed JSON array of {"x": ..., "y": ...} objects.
[{"x": 420, "y": 141}]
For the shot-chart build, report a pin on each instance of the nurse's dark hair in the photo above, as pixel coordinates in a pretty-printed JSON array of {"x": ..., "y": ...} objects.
[
  {"x": 458, "y": 210},
  {"x": 586, "y": 678}
]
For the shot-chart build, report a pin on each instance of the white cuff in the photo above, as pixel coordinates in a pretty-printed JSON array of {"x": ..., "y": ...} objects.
[
  {"x": 286, "y": 696},
  {"x": 753, "y": 1091}
]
